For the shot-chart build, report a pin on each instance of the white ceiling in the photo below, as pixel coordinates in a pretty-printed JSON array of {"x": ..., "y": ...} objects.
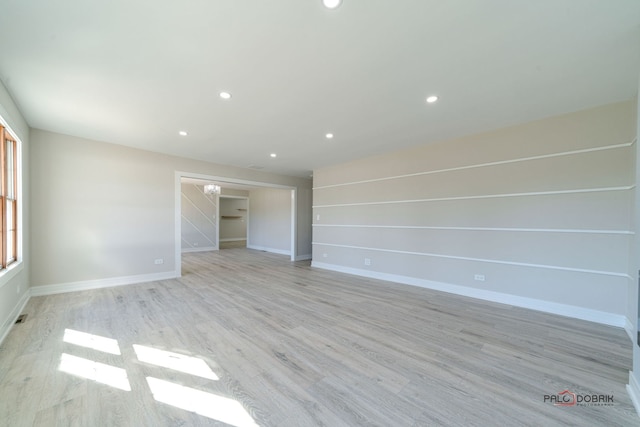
[{"x": 135, "y": 72}]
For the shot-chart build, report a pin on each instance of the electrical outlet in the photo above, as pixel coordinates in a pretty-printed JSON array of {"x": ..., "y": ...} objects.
[
  {"x": 318, "y": 217},
  {"x": 324, "y": 255},
  {"x": 18, "y": 289},
  {"x": 195, "y": 243},
  {"x": 479, "y": 277},
  {"x": 159, "y": 261},
  {"x": 367, "y": 261}
]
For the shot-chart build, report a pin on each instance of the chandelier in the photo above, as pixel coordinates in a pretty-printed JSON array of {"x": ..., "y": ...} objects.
[{"x": 211, "y": 189}]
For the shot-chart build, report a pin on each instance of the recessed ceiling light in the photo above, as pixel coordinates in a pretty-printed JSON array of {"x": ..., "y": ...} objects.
[
  {"x": 432, "y": 99},
  {"x": 331, "y": 4},
  {"x": 329, "y": 136},
  {"x": 225, "y": 95},
  {"x": 273, "y": 155},
  {"x": 183, "y": 133}
]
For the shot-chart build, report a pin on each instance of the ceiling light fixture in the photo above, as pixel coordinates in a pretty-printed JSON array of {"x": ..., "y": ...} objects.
[
  {"x": 432, "y": 99},
  {"x": 329, "y": 136},
  {"x": 183, "y": 133},
  {"x": 225, "y": 95},
  {"x": 211, "y": 189},
  {"x": 331, "y": 4},
  {"x": 273, "y": 155}
]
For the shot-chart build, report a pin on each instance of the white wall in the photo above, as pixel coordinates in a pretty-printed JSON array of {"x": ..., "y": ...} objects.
[
  {"x": 14, "y": 285},
  {"x": 634, "y": 297},
  {"x": 233, "y": 192},
  {"x": 199, "y": 226},
  {"x": 270, "y": 220},
  {"x": 234, "y": 226},
  {"x": 304, "y": 197},
  {"x": 103, "y": 212},
  {"x": 541, "y": 210}
]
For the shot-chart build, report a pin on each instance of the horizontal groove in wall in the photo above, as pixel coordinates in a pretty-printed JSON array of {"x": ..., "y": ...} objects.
[
  {"x": 584, "y": 211},
  {"x": 481, "y": 165},
  {"x": 532, "y": 230},
  {"x": 487, "y": 196},
  {"x": 491, "y": 261},
  {"x": 570, "y": 250}
]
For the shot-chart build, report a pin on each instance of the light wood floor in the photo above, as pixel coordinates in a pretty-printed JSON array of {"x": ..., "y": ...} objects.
[
  {"x": 233, "y": 244},
  {"x": 293, "y": 346}
]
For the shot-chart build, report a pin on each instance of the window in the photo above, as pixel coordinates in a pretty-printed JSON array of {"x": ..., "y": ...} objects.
[{"x": 8, "y": 198}]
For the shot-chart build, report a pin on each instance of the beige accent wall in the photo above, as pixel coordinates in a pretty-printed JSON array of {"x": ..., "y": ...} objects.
[
  {"x": 104, "y": 211},
  {"x": 270, "y": 220},
  {"x": 199, "y": 226},
  {"x": 540, "y": 211}
]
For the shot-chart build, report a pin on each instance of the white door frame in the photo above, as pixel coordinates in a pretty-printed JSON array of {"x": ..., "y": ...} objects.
[{"x": 178, "y": 210}]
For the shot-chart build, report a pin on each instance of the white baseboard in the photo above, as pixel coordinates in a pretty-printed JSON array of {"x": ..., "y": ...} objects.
[
  {"x": 13, "y": 316},
  {"x": 233, "y": 239},
  {"x": 202, "y": 249},
  {"x": 591, "y": 315},
  {"x": 633, "y": 388},
  {"x": 100, "y": 283},
  {"x": 630, "y": 330},
  {"x": 303, "y": 257},
  {"x": 275, "y": 251}
]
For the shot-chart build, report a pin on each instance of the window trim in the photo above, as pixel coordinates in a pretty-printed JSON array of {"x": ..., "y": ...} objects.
[
  {"x": 5, "y": 192},
  {"x": 9, "y": 270}
]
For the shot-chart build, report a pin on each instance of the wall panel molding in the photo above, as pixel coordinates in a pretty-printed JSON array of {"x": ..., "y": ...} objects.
[
  {"x": 482, "y": 165},
  {"x": 525, "y": 230},
  {"x": 488, "y": 261},
  {"x": 485, "y": 196},
  {"x": 542, "y": 210}
]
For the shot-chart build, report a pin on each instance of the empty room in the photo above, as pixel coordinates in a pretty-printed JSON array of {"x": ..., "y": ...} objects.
[{"x": 319, "y": 213}]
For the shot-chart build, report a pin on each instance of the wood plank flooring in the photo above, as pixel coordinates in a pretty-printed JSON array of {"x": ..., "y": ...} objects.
[
  {"x": 293, "y": 346},
  {"x": 234, "y": 244}
]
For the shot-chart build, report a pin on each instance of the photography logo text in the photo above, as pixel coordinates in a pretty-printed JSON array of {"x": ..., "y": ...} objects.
[{"x": 568, "y": 398}]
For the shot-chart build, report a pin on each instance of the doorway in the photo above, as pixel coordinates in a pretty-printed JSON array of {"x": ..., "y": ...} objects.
[
  {"x": 234, "y": 216},
  {"x": 265, "y": 194}
]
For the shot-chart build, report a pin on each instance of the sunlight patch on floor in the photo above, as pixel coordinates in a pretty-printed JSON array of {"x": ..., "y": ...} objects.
[
  {"x": 96, "y": 371},
  {"x": 177, "y": 362},
  {"x": 212, "y": 406},
  {"x": 96, "y": 342}
]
